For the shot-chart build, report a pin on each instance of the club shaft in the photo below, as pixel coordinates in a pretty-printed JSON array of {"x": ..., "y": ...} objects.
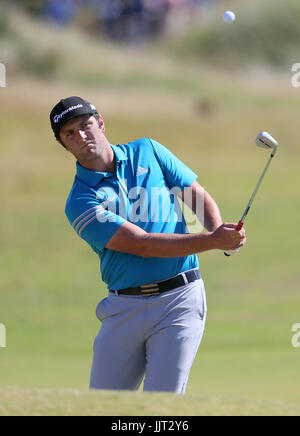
[{"x": 241, "y": 222}]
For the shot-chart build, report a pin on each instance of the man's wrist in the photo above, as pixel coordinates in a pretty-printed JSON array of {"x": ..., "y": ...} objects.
[{"x": 213, "y": 242}]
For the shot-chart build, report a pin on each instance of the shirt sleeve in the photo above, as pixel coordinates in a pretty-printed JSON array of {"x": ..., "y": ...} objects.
[
  {"x": 92, "y": 220},
  {"x": 177, "y": 174}
]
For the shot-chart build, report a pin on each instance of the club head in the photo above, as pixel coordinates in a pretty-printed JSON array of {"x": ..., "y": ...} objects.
[{"x": 265, "y": 140}]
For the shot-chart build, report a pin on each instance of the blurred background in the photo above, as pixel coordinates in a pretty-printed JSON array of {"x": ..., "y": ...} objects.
[{"x": 174, "y": 71}]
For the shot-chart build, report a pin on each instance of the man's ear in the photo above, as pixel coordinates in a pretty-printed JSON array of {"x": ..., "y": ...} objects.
[{"x": 101, "y": 123}]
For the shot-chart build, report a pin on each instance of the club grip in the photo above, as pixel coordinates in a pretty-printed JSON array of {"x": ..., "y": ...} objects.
[
  {"x": 240, "y": 225},
  {"x": 230, "y": 252}
]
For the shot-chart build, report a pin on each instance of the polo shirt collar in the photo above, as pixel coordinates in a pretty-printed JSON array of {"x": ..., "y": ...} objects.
[{"x": 92, "y": 178}]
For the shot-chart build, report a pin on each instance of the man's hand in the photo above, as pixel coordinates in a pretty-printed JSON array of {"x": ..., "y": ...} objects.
[{"x": 226, "y": 237}]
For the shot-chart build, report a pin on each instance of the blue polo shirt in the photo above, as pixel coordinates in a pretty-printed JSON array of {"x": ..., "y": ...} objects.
[{"x": 142, "y": 191}]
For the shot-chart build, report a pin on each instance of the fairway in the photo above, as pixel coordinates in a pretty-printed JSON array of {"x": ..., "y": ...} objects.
[{"x": 50, "y": 281}]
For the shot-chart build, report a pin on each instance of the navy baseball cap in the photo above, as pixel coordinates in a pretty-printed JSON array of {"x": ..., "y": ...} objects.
[{"x": 67, "y": 109}]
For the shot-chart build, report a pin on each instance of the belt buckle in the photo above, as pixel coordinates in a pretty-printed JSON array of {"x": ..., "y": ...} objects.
[{"x": 150, "y": 290}]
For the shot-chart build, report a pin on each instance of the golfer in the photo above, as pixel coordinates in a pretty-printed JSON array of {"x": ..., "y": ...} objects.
[{"x": 124, "y": 204}]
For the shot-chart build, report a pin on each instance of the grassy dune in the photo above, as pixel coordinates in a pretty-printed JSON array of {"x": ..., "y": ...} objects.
[{"x": 50, "y": 283}]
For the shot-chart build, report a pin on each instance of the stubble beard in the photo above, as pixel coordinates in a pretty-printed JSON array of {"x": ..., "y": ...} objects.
[{"x": 92, "y": 152}]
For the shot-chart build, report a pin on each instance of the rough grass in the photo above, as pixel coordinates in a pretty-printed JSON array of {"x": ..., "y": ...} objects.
[{"x": 71, "y": 402}]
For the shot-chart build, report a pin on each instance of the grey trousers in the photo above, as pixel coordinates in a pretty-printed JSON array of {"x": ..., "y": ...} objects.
[{"x": 154, "y": 337}]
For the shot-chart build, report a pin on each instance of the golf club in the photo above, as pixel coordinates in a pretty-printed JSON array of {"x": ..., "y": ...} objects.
[{"x": 264, "y": 140}]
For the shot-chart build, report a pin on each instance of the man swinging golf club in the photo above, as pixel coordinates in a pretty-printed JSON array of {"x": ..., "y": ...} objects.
[{"x": 124, "y": 204}]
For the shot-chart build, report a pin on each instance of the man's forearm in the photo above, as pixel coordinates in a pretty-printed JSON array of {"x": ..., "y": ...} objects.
[
  {"x": 225, "y": 237},
  {"x": 176, "y": 245},
  {"x": 131, "y": 239}
]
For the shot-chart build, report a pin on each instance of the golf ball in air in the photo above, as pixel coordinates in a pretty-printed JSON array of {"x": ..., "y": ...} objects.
[{"x": 228, "y": 16}]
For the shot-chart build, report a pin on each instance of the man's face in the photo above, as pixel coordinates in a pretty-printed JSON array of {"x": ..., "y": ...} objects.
[{"x": 83, "y": 137}]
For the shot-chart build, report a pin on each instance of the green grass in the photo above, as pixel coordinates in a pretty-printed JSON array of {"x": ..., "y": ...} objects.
[{"x": 50, "y": 283}]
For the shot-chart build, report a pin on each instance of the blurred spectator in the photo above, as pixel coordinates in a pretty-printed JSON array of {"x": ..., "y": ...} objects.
[
  {"x": 130, "y": 20},
  {"x": 130, "y": 25},
  {"x": 155, "y": 13},
  {"x": 109, "y": 13}
]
